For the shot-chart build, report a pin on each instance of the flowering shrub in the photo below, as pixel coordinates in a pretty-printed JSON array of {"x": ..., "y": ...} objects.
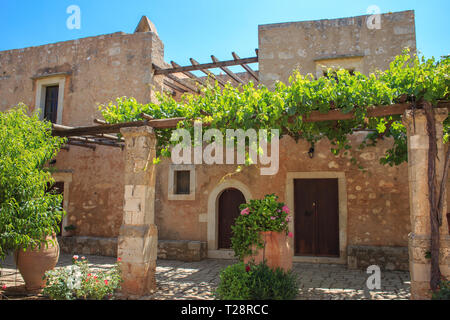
[
  {"x": 256, "y": 282},
  {"x": 265, "y": 214},
  {"x": 79, "y": 282}
]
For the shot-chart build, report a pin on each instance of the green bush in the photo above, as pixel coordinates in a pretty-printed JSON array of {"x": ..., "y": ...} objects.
[
  {"x": 234, "y": 283},
  {"x": 28, "y": 212},
  {"x": 444, "y": 291},
  {"x": 256, "y": 282}
]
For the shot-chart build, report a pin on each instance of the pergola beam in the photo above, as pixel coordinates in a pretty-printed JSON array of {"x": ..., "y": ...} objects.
[
  {"x": 207, "y": 72},
  {"x": 189, "y": 74},
  {"x": 186, "y": 85},
  {"x": 230, "y": 73},
  {"x": 170, "y": 123},
  {"x": 115, "y": 128},
  {"x": 201, "y": 66},
  {"x": 174, "y": 86},
  {"x": 245, "y": 66},
  {"x": 372, "y": 112}
]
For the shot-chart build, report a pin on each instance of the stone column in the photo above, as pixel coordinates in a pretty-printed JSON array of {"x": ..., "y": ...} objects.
[
  {"x": 138, "y": 236},
  {"x": 420, "y": 236}
]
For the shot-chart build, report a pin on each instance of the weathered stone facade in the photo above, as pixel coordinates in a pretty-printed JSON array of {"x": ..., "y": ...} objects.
[
  {"x": 99, "y": 69},
  {"x": 312, "y": 46}
]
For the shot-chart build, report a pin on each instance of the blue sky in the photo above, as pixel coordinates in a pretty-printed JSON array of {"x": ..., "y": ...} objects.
[{"x": 199, "y": 28}]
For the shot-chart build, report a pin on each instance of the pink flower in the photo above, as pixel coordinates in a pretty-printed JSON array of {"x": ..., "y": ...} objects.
[
  {"x": 75, "y": 257},
  {"x": 272, "y": 218},
  {"x": 278, "y": 210},
  {"x": 288, "y": 219},
  {"x": 4, "y": 287},
  {"x": 290, "y": 235},
  {"x": 82, "y": 258},
  {"x": 106, "y": 282},
  {"x": 119, "y": 259},
  {"x": 245, "y": 211},
  {"x": 285, "y": 209}
]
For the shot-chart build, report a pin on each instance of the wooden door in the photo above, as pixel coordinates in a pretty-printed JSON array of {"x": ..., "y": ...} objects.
[
  {"x": 228, "y": 203},
  {"x": 316, "y": 221}
]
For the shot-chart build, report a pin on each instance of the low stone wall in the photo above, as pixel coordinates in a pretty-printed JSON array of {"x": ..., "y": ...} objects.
[
  {"x": 184, "y": 250},
  {"x": 387, "y": 258},
  {"x": 88, "y": 245}
]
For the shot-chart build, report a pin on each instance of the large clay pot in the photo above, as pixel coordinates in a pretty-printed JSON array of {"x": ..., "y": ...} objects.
[
  {"x": 278, "y": 251},
  {"x": 33, "y": 264}
]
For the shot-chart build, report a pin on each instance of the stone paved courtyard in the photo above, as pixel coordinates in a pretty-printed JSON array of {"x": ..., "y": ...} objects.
[{"x": 197, "y": 280}]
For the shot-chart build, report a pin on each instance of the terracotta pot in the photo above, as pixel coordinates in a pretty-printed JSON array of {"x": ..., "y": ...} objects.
[
  {"x": 278, "y": 251},
  {"x": 33, "y": 264}
]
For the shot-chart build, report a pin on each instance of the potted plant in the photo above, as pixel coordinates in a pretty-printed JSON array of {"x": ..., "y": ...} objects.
[
  {"x": 70, "y": 230},
  {"x": 29, "y": 215},
  {"x": 261, "y": 233}
]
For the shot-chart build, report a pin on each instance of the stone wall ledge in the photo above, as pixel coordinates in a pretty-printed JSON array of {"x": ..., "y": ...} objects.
[
  {"x": 184, "y": 250},
  {"x": 387, "y": 258}
]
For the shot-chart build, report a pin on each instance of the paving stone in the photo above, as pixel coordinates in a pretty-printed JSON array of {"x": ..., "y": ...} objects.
[{"x": 198, "y": 280}]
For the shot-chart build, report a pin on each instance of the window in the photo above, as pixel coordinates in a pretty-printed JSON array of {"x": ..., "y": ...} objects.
[
  {"x": 51, "y": 103},
  {"x": 181, "y": 182},
  {"x": 50, "y": 97}
]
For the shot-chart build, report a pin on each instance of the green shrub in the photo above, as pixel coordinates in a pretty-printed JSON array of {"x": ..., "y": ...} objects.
[
  {"x": 444, "y": 291},
  {"x": 256, "y": 282},
  {"x": 234, "y": 283},
  {"x": 28, "y": 212}
]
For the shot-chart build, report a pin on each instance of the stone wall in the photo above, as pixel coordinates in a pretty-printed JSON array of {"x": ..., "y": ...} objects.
[
  {"x": 346, "y": 42},
  {"x": 387, "y": 258},
  {"x": 377, "y": 200},
  {"x": 96, "y": 70},
  {"x": 183, "y": 250}
]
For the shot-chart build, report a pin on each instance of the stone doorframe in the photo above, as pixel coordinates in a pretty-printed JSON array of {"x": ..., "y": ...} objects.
[
  {"x": 213, "y": 221},
  {"x": 64, "y": 176},
  {"x": 342, "y": 196}
]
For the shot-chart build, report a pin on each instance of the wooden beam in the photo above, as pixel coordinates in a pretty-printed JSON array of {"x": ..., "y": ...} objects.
[
  {"x": 212, "y": 65},
  {"x": 101, "y": 136},
  {"x": 99, "y": 121},
  {"x": 245, "y": 66},
  {"x": 189, "y": 74},
  {"x": 146, "y": 116},
  {"x": 174, "y": 86},
  {"x": 228, "y": 71},
  {"x": 372, "y": 112},
  {"x": 95, "y": 141},
  {"x": 186, "y": 85},
  {"x": 115, "y": 128},
  {"x": 207, "y": 72}
]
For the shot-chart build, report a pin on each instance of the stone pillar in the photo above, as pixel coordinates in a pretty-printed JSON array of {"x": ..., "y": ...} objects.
[
  {"x": 420, "y": 236},
  {"x": 138, "y": 236}
]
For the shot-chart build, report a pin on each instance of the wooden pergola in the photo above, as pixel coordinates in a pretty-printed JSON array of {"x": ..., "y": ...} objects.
[
  {"x": 181, "y": 85},
  {"x": 106, "y": 134}
]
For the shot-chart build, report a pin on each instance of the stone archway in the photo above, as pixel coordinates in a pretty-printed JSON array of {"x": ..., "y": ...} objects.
[{"x": 213, "y": 232}]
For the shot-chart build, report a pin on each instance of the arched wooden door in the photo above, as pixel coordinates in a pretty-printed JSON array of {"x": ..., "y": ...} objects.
[{"x": 228, "y": 203}]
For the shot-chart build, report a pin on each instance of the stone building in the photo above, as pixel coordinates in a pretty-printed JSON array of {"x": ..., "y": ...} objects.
[{"x": 368, "y": 212}]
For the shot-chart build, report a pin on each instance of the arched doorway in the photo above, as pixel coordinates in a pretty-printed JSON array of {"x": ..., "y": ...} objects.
[{"x": 228, "y": 210}]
